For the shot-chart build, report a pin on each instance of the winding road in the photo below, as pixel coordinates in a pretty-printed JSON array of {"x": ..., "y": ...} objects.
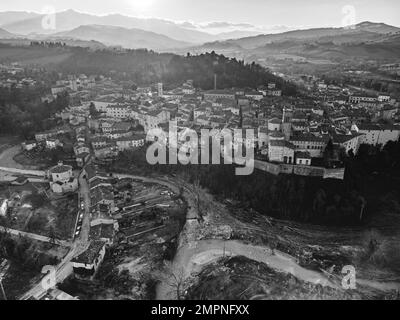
[{"x": 64, "y": 269}]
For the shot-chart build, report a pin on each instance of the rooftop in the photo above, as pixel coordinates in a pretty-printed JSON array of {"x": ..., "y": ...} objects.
[
  {"x": 91, "y": 253},
  {"x": 281, "y": 143},
  {"x": 303, "y": 155},
  {"x": 60, "y": 169}
]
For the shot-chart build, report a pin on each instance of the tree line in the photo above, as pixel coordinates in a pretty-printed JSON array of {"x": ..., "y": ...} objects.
[{"x": 23, "y": 113}]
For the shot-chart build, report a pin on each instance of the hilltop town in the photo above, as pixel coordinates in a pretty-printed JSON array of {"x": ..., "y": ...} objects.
[{"x": 93, "y": 216}]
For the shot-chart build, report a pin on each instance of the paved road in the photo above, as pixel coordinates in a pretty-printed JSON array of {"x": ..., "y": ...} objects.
[
  {"x": 34, "y": 236},
  {"x": 64, "y": 269}
]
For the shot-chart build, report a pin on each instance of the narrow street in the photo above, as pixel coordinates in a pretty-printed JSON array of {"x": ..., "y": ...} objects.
[
  {"x": 64, "y": 268},
  {"x": 34, "y": 236}
]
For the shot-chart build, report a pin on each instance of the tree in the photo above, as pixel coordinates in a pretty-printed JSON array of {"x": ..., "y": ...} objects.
[
  {"x": 52, "y": 235},
  {"x": 175, "y": 279},
  {"x": 328, "y": 153},
  {"x": 92, "y": 110}
]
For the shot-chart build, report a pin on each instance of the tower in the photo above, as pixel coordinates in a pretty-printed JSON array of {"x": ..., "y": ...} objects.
[{"x": 160, "y": 89}]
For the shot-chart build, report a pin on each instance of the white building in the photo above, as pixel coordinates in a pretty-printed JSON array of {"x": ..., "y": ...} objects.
[
  {"x": 119, "y": 112},
  {"x": 274, "y": 124},
  {"x": 374, "y": 134},
  {"x": 315, "y": 146},
  {"x": 281, "y": 151},
  {"x": 29, "y": 145},
  {"x": 349, "y": 142},
  {"x": 384, "y": 98},
  {"x": 62, "y": 179},
  {"x": 3, "y": 207},
  {"x": 86, "y": 264},
  {"x": 303, "y": 158},
  {"x": 127, "y": 143}
]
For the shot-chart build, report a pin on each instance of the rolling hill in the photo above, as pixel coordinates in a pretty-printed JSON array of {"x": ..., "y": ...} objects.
[
  {"x": 365, "y": 41},
  {"x": 364, "y": 31},
  {"x": 4, "y": 34}
]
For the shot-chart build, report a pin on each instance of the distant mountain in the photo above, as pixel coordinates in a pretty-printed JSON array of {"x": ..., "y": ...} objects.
[
  {"x": 14, "y": 16},
  {"x": 381, "y": 28},
  {"x": 363, "y": 42},
  {"x": 117, "y": 36},
  {"x": 4, "y": 34},
  {"x": 364, "y": 31},
  {"x": 70, "y": 19},
  {"x": 236, "y": 34}
]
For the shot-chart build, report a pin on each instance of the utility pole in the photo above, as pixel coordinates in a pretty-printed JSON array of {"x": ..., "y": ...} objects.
[{"x": 215, "y": 81}]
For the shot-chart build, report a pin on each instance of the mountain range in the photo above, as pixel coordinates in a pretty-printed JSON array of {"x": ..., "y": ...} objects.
[
  {"x": 29, "y": 23},
  {"x": 118, "y": 36},
  {"x": 361, "y": 32},
  {"x": 4, "y": 34},
  {"x": 364, "y": 41},
  {"x": 239, "y": 40}
]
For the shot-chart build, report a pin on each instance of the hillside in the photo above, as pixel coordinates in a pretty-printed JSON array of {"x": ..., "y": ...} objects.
[
  {"x": 367, "y": 41},
  {"x": 381, "y": 49},
  {"x": 146, "y": 67},
  {"x": 5, "y": 34},
  {"x": 117, "y": 36},
  {"x": 361, "y": 32}
]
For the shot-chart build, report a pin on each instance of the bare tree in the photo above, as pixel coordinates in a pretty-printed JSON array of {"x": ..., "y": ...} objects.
[{"x": 175, "y": 278}]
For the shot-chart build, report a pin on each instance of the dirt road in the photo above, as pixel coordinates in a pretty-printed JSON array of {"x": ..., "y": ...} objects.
[{"x": 195, "y": 255}]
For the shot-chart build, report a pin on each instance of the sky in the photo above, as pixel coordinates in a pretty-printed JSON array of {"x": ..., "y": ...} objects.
[{"x": 294, "y": 13}]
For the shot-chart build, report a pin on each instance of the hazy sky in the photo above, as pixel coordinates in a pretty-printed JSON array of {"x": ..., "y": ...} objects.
[{"x": 258, "y": 12}]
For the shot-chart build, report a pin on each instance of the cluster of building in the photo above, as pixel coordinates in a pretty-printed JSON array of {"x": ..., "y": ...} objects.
[
  {"x": 73, "y": 84},
  {"x": 287, "y": 130},
  {"x": 12, "y": 75},
  {"x": 103, "y": 224}
]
